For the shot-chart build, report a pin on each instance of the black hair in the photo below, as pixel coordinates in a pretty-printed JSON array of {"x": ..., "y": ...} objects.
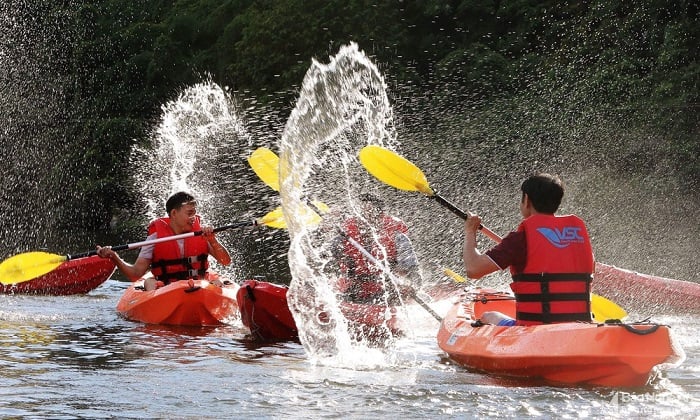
[
  {"x": 545, "y": 192},
  {"x": 177, "y": 200}
]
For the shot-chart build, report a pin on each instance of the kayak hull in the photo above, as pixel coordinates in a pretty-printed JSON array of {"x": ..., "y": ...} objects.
[
  {"x": 632, "y": 289},
  {"x": 73, "y": 277},
  {"x": 612, "y": 355},
  {"x": 185, "y": 302},
  {"x": 265, "y": 312}
]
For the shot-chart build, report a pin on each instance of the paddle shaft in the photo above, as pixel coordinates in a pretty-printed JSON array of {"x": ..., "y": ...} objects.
[
  {"x": 381, "y": 266},
  {"x": 456, "y": 210},
  {"x": 159, "y": 240}
]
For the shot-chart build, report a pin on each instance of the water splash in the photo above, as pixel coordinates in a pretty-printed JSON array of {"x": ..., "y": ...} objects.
[
  {"x": 196, "y": 130},
  {"x": 200, "y": 146},
  {"x": 342, "y": 106}
]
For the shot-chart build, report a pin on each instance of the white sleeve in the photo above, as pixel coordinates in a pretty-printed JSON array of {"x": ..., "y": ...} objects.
[
  {"x": 147, "y": 250},
  {"x": 405, "y": 255}
]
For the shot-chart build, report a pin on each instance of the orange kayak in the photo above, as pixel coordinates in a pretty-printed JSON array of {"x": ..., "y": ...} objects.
[
  {"x": 73, "y": 277},
  {"x": 614, "y": 355},
  {"x": 185, "y": 302}
]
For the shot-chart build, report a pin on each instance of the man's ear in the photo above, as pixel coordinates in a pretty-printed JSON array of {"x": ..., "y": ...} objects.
[{"x": 527, "y": 204}]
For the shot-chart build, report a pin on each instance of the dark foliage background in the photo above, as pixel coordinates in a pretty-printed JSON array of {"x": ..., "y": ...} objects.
[{"x": 91, "y": 76}]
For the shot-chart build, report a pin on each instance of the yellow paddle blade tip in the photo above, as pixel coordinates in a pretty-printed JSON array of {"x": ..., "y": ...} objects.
[
  {"x": 265, "y": 164},
  {"x": 451, "y": 273},
  {"x": 393, "y": 170},
  {"x": 28, "y": 266},
  {"x": 604, "y": 309},
  {"x": 321, "y": 206},
  {"x": 274, "y": 219},
  {"x": 306, "y": 216}
]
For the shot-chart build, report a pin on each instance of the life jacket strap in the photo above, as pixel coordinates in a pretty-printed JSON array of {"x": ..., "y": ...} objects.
[
  {"x": 547, "y": 277},
  {"x": 547, "y": 297},
  {"x": 166, "y": 278},
  {"x": 550, "y": 318},
  {"x": 189, "y": 273}
]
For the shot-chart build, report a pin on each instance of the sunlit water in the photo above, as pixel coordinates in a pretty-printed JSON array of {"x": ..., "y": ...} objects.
[{"x": 69, "y": 357}]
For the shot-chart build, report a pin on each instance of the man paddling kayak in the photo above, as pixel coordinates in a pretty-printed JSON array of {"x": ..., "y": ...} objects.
[
  {"x": 550, "y": 259},
  {"x": 173, "y": 260}
]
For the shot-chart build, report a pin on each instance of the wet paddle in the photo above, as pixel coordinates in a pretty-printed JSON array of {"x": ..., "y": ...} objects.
[
  {"x": 265, "y": 164},
  {"x": 388, "y": 272},
  {"x": 398, "y": 172},
  {"x": 30, "y": 265}
]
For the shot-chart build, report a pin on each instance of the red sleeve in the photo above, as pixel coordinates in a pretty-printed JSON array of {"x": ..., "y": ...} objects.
[{"x": 510, "y": 252}]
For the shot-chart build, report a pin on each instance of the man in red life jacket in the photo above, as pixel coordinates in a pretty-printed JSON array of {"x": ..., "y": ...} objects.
[
  {"x": 383, "y": 236},
  {"x": 550, "y": 259},
  {"x": 173, "y": 260}
]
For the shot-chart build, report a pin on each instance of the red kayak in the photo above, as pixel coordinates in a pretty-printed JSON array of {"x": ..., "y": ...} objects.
[
  {"x": 632, "y": 289},
  {"x": 73, "y": 277},
  {"x": 614, "y": 355},
  {"x": 265, "y": 311},
  {"x": 184, "y": 302}
]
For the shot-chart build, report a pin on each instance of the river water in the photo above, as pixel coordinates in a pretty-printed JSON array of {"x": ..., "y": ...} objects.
[{"x": 74, "y": 357}]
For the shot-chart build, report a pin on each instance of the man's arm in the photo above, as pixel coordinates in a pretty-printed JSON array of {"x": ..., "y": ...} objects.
[
  {"x": 132, "y": 272},
  {"x": 216, "y": 250},
  {"x": 406, "y": 259},
  {"x": 476, "y": 264}
]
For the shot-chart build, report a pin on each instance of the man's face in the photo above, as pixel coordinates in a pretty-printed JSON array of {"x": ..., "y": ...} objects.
[{"x": 183, "y": 217}]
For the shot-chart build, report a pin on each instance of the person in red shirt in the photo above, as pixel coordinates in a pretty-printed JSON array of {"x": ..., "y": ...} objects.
[{"x": 550, "y": 258}]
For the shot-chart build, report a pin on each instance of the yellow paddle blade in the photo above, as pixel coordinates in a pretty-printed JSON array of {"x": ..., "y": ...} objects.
[
  {"x": 274, "y": 219},
  {"x": 456, "y": 277},
  {"x": 309, "y": 216},
  {"x": 604, "y": 309},
  {"x": 265, "y": 164},
  {"x": 393, "y": 169},
  {"x": 28, "y": 266},
  {"x": 320, "y": 206}
]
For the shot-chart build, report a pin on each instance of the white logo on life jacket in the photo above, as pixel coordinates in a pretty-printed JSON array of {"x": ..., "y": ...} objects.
[{"x": 562, "y": 238}]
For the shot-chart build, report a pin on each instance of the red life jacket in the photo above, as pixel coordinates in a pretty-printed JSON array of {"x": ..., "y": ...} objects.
[
  {"x": 363, "y": 278},
  {"x": 168, "y": 263},
  {"x": 555, "y": 284},
  {"x": 356, "y": 264}
]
